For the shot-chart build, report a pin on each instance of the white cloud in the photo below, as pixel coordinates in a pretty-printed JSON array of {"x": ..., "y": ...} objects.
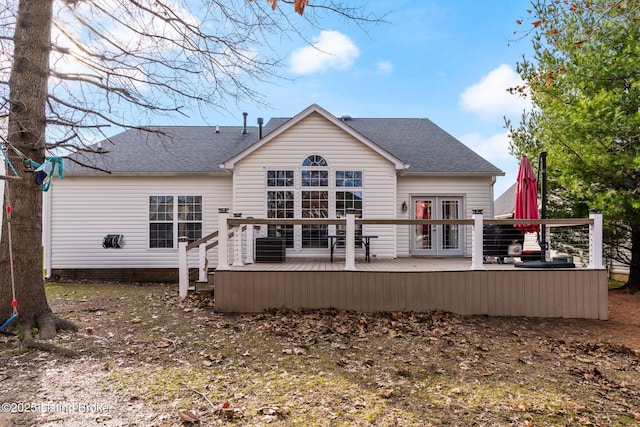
[
  {"x": 493, "y": 148},
  {"x": 385, "y": 67},
  {"x": 490, "y": 98},
  {"x": 331, "y": 49}
]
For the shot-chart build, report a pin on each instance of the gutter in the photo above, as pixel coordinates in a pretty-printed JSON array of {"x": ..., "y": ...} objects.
[
  {"x": 145, "y": 174},
  {"x": 455, "y": 174}
]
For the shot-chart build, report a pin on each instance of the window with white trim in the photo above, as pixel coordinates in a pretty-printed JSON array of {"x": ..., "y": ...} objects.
[
  {"x": 280, "y": 203},
  {"x": 171, "y": 217},
  {"x": 314, "y": 198},
  {"x": 348, "y": 199}
]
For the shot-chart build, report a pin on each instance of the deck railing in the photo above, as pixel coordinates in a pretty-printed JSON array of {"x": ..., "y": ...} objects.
[{"x": 241, "y": 231}]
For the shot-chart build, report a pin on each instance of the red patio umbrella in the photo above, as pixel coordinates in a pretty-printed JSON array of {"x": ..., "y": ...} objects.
[{"x": 526, "y": 196}]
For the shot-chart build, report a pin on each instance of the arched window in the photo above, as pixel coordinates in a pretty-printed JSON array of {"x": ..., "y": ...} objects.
[
  {"x": 315, "y": 200},
  {"x": 314, "y": 160},
  {"x": 315, "y": 172}
]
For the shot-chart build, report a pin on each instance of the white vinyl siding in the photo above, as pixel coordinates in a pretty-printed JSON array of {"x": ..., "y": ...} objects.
[
  {"x": 85, "y": 209},
  {"x": 476, "y": 193},
  {"x": 315, "y": 135}
]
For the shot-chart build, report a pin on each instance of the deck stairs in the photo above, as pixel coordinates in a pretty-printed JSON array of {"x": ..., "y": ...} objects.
[{"x": 204, "y": 287}]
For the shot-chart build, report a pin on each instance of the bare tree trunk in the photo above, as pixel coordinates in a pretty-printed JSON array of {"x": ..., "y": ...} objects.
[
  {"x": 633, "y": 284},
  {"x": 26, "y": 132}
]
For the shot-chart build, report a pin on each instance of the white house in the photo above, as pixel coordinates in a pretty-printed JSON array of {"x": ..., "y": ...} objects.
[{"x": 171, "y": 183}]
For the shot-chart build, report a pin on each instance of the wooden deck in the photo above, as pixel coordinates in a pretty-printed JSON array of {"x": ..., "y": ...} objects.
[{"x": 414, "y": 284}]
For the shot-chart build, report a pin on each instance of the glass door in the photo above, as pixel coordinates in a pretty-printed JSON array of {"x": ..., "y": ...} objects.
[
  {"x": 450, "y": 235},
  {"x": 436, "y": 240},
  {"x": 423, "y": 234}
]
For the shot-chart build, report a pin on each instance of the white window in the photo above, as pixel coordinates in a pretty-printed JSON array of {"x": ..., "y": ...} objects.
[
  {"x": 280, "y": 203},
  {"x": 171, "y": 217},
  {"x": 349, "y": 196},
  {"x": 315, "y": 200}
]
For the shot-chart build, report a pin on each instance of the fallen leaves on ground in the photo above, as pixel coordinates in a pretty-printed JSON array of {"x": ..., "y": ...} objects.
[{"x": 163, "y": 361}]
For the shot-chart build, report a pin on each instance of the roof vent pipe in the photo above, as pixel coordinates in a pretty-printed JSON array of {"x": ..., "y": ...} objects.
[
  {"x": 217, "y": 129},
  {"x": 260, "y": 122},
  {"x": 244, "y": 126}
]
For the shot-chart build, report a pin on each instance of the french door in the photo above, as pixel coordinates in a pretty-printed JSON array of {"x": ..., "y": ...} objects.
[{"x": 436, "y": 240}]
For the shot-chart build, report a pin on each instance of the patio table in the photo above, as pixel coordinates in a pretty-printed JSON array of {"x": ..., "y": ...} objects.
[{"x": 365, "y": 240}]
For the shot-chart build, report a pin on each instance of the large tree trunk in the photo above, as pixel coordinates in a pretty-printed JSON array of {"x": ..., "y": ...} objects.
[
  {"x": 26, "y": 132},
  {"x": 634, "y": 267}
]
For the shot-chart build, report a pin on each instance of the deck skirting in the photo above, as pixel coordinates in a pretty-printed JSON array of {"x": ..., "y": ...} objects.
[{"x": 570, "y": 293}]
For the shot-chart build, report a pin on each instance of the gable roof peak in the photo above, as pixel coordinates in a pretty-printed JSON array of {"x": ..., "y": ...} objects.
[{"x": 315, "y": 108}]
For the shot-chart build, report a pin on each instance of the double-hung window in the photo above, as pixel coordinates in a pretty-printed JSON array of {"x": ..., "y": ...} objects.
[
  {"x": 349, "y": 196},
  {"x": 171, "y": 217},
  {"x": 280, "y": 203}
]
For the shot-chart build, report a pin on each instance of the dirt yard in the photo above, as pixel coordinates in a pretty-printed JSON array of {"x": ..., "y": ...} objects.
[{"x": 147, "y": 359}]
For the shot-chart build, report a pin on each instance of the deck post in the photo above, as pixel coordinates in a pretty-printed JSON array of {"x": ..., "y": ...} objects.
[
  {"x": 350, "y": 243},
  {"x": 477, "y": 241},
  {"x": 547, "y": 252},
  {"x": 202, "y": 262},
  {"x": 223, "y": 240},
  {"x": 183, "y": 268},
  {"x": 595, "y": 240},
  {"x": 237, "y": 243},
  {"x": 249, "y": 258}
]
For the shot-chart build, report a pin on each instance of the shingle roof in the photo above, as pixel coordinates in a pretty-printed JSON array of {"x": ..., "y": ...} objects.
[
  {"x": 171, "y": 149},
  {"x": 427, "y": 148},
  {"x": 504, "y": 205}
]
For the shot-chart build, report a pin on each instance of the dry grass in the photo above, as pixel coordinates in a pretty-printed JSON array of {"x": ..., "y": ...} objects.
[{"x": 153, "y": 360}]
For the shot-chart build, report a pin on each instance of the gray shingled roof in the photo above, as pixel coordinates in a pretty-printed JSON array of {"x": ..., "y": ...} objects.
[
  {"x": 426, "y": 147},
  {"x": 174, "y": 149},
  {"x": 505, "y": 204},
  {"x": 199, "y": 149}
]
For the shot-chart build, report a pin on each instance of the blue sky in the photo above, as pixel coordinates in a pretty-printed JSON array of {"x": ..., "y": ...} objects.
[{"x": 448, "y": 61}]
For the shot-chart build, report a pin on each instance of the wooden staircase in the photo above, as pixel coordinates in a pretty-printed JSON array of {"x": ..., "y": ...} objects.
[{"x": 204, "y": 287}]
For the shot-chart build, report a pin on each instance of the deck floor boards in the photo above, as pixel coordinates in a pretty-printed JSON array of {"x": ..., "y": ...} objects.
[{"x": 389, "y": 265}]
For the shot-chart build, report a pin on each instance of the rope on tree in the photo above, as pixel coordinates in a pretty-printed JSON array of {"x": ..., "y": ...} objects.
[
  {"x": 8, "y": 162},
  {"x": 14, "y": 302},
  {"x": 42, "y": 178}
]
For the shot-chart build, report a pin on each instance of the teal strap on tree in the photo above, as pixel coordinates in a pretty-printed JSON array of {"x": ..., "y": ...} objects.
[{"x": 55, "y": 162}]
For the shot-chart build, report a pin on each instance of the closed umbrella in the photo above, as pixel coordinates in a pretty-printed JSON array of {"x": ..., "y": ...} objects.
[{"x": 526, "y": 196}]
